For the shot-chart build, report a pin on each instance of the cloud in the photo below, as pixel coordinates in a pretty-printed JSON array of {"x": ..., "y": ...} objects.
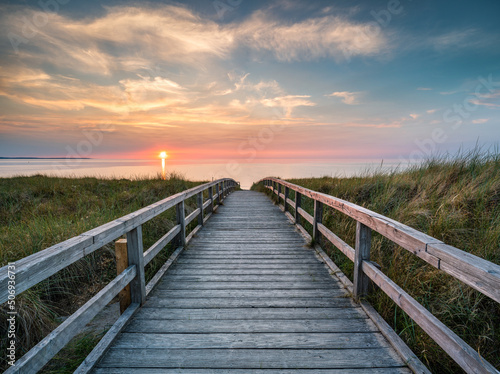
[
  {"x": 431, "y": 111},
  {"x": 488, "y": 100},
  {"x": 456, "y": 38},
  {"x": 480, "y": 120},
  {"x": 414, "y": 115},
  {"x": 424, "y": 89},
  {"x": 349, "y": 98},
  {"x": 310, "y": 39}
]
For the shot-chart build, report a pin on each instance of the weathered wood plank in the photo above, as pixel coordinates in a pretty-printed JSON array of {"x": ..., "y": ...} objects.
[
  {"x": 392, "y": 370},
  {"x": 261, "y": 302},
  {"x": 251, "y": 293},
  {"x": 239, "y": 285},
  {"x": 253, "y": 340},
  {"x": 320, "y": 326},
  {"x": 161, "y": 243},
  {"x": 237, "y": 314},
  {"x": 251, "y": 358}
]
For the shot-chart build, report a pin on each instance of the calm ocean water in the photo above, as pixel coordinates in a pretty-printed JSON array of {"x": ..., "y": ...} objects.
[{"x": 244, "y": 172}]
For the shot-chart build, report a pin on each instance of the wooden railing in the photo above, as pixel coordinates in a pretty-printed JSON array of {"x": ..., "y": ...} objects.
[
  {"x": 476, "y": 272},
  {"x": 35, "y": 268}
]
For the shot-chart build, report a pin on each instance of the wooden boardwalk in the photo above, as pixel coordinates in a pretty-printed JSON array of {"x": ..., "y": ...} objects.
[{"x": 247, "y": 296}]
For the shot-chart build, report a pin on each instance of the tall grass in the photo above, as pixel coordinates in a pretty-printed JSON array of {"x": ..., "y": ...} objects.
[
  {"x": 39, "y": 211},
  {"x": 454, "y": 199}
]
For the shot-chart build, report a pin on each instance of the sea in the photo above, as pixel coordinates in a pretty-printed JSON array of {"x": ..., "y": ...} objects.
[{"x": 242, "y": 171}]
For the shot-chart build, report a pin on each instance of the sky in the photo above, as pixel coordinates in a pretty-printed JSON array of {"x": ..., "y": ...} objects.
[{"x": 248, "y": 79}]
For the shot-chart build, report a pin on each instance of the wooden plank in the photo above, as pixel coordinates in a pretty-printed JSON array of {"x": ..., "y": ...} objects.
[
  {"x": 194, "y": 214},
  {"x": 41, "y": 353},
  {"x": 392, "y": 370},
  {"x": 161, "y": 243},
  {"x": 181, "y": 220},
  {"x": 239, "y": 285},
  {"x": 147, "y": 313},
  {"x": 251, "y": 293},
  {"x": 361, "y": 254},
  {"x": 189, "y": 277},
  {"x": 225, "y": 272},
  {"x": 146, "y": 326},
  {"x": 337, "y": 242},
  {"x": 254, "y": 340},
  {"x": 268, "y": 302},
  {"x": 474, "y": 271},
  {"x": 317, "y": 218},
  {"x": 135, "y": 255},
  {"x": 251, "y": 358},
  {"x": 250, "y": 266},
  {"x": 463, "y": 354},
  {"x": 305, "y": 215},
  {"x": 91, "y": 360},
  {"x": 121, "y": 265}
]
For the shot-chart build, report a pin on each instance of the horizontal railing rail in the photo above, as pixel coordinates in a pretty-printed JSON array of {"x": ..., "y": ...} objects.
[
  {"x": 34, "y": 269},
  {"x": 482, "y": 275}
]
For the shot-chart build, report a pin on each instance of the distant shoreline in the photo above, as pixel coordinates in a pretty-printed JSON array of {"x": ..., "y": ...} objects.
[{"x": 45, "y": 158}]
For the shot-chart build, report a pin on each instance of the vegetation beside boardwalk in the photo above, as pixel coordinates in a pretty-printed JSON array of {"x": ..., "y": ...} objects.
[
  {"x": 454, "y": 199},
  {"x": 39, "y": 211}
]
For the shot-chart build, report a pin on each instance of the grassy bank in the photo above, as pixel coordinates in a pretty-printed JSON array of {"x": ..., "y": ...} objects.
[
  {"x": 37, "y": 212},
  {"x": 456, "y": 200}
]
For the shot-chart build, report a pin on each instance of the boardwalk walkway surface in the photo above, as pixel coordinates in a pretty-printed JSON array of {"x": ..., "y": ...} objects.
[{"x": 247, "y": 296}]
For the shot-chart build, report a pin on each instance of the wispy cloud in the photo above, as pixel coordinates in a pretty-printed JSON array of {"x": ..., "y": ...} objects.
[
  {"x": 327, "y": 36},
  {"x": 349, "y": 98},
  {"x": 480, "y": 120},
  {"x": 424, "y": 89}
]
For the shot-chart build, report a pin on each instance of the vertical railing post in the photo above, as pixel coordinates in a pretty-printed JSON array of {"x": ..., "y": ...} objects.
[
  {"x": 217, "y": 198},
  {"x": 211, "y": 197},
  {"x": 317, "y": 218},
  {"x": 181, "y": 220},
  {"x": 135, "y": 254},
  {"x": 221, "y": 192},
  {"x": 279, "y": 192},
  {"x": 286, "y": 198},
  {"x": 298, "y": 198},
  {"x": 362, "y": 253},
  {"x": 199, "y": 199},
  {"x": 274, "y": 186},
  {"x": 121, "y": 265}
]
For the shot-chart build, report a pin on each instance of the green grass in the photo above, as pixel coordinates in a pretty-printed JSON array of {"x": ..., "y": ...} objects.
[
  {"x": 37, "y": 212},
  {"x": 454, "y": 199}
]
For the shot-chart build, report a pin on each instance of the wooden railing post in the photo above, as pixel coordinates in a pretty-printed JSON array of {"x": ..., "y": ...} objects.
[
  {"x": 362, "y": 253},
  {"x": 274, "y": 186},
  {"x": 279, "y": 192},
  {"x": 286, "y": 198},
  {"x": 181, "y": 220},
  {"x": 121, "y": 265},
  {"x": 317, "y": 218},
  {"x": 200, "y": 205},
  {"x": 211, "y": 197},
  {"x": 135, "y": 253},
  {"x": 217, "y": 197},
  {"x": 298, "y": 198}
]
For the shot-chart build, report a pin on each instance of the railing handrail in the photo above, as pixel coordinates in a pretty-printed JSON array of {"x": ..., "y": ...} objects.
[
  {"x": 33, "y": 269},
  {"x": 476, "y": 272},
  {"x": 37, "y": 267}
]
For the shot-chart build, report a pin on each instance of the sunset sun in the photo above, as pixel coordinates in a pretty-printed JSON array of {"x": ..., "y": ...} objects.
[{"x": 163, "y": 154}]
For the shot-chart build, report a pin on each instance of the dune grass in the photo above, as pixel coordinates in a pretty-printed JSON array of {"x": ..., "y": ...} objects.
[
  {"x": 39, "y": 211},
  {"x": 454, "y": 199}
]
